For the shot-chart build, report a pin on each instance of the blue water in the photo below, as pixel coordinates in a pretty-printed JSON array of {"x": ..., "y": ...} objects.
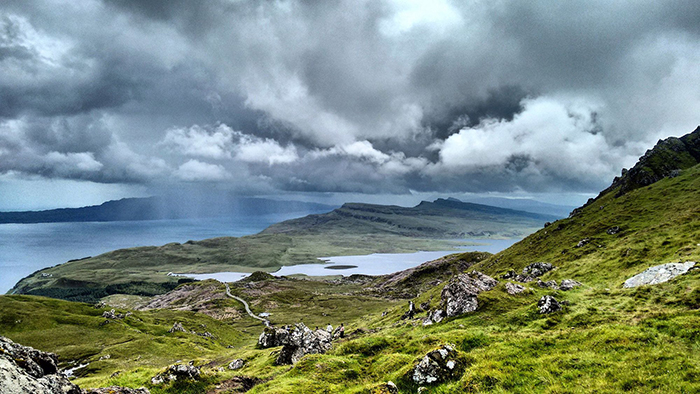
[
  {"x": 26, "y": 248},
  {"x": 370, "y": 264}
]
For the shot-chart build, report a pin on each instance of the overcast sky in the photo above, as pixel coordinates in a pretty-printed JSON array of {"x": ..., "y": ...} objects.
[{"x": 112, "y": 98}]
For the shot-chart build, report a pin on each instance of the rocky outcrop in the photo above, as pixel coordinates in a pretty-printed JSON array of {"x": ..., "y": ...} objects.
[
  {"x": 613, "y": 230},
  {"x": 273, "y": 337},
  {"x": 537, "y": 269},
  {"x": 296, "y": 341},
  {"x": 438, "y": 366},
  {"x": 434, "y": 316},
  {"x": 459, "y": 296},
  {"x": 177, "y": 327},
  {"x": 26, "y": 370},
  {"x": 408, "y": 283},
  {"x": 548, "y": 304},
  {"x": 550, "y": 284},
  {"x": 177, "y": 372},
  {"x": 236, "y": 364},
  {"x": 659, "y": 274},
  {"x": 514, "y": 288},
  {"x": 666, "y": 159},
  {"x": 302, "y": 341},
  {"x": 117, "y": 390},
  {"x": 568, "y": 284}
]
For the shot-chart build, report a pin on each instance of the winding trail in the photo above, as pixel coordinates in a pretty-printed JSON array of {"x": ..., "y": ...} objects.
[{"x": 247, "y": 308}]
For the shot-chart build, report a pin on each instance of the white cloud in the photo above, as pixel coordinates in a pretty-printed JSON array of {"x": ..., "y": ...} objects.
[
  {"x": 215, "y": 143},
  {"x": 195, "y": 170},
  {"x": 68, "y": 164},
  {"x": 256, "y": 150},
  {"x": 551, "y": 137}
]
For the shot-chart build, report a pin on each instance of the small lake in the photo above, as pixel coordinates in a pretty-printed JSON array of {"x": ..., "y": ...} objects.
[{"x": 371, "y": 264}]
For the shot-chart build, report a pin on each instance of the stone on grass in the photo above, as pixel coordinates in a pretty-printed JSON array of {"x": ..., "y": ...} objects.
[
  {"x": 459, "y": 296},
  {"x": 177, "y": 327},
  {"x": 302, "y": 341},
  {"x": 550, "y": 284},
  {"x": 568, "y": 284},
  {"x": 538, "y": 269},
  {"x": 548, "y": 304},
  {"x": 177, "y": 372},
  {"x": 236, "y": 364},
  {"x": 117, "y": 390},
  {"x": 659, "y": 274},
  {"x": 514, "y": 288},
  {"x": 438, "y": 366}
]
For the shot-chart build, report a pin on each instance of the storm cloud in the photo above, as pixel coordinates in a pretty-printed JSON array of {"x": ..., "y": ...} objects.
[{"x": 344, "y": 96}]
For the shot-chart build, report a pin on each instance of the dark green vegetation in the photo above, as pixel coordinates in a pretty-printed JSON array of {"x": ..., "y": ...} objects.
[
  {"x": 352, "y": 229},
  {"x": 607, "y": 339}
]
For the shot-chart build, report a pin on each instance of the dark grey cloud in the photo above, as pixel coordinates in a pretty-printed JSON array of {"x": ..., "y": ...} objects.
[{"x": 371, "y": 96}]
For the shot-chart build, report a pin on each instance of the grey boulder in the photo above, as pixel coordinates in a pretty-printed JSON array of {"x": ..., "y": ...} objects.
[
  {"x": 438, "y": 366},
  {"x": 302, "y": 341},
  {"x": 24, "y": 369},
  {"x": 659, "y": 274},
  {"x": 459, "y": 296},
  {"x": 548, "y": 304}
]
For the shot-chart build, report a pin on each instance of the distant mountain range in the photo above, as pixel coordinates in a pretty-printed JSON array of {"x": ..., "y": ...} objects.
[
  {"x": 156, "y": 208},
  {"x": 524, "y": 204}
]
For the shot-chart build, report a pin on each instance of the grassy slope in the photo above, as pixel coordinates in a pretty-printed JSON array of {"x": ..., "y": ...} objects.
[
  {"x": 140, "y": 346},
  {"x": 608, "y": 339},
  {"x": 352, "y": 229}
]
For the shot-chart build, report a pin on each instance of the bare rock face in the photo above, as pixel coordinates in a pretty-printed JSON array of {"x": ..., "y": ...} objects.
[
  {"x": 514, "y": 288},
  {"x": 177, "y": 372},
  {"x": 459, "y": 296},
  {"x": 438, "y": 366},
  {"x": 548, "y": 304},
  {"x": 568, "y": 284},
  {"x": 659, "y": 274},
  {"x": 302, "y": 341},
  {"x": 26, "y": 370}
]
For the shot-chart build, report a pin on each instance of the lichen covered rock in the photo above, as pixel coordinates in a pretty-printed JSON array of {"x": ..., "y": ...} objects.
[
  {"x": 24, "y": 369},
  {"x": 302, "y": 341},
  {"x": 568, "y": 284},
  {"x": 438, "y": 366},
  {"x": 659, "y": 274},
  {"x": 460, "y": 295},
  {"x": 548, "y": 304},
  {"x": 177, "y": 372},
  {"x": 514, "y": 288}
]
